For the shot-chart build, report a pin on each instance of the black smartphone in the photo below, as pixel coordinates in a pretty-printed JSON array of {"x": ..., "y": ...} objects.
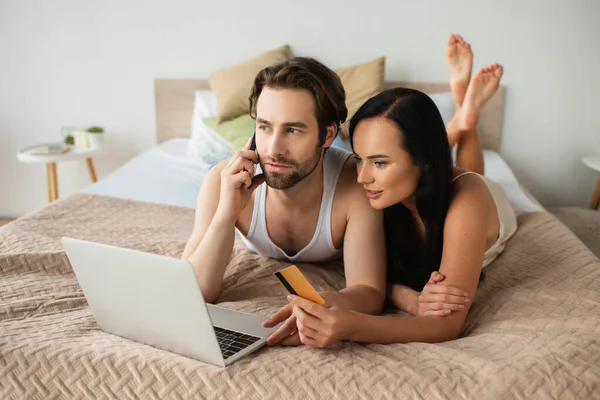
[{"x": 253, "y": 143}]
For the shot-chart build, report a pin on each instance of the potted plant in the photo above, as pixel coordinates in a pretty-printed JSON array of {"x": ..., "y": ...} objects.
[
  {"x": 95, "y": 136},
  {"x": 69, "y": 139}
]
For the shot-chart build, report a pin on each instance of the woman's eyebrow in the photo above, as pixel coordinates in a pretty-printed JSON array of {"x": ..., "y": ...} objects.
[{"x": 377, "y": 156}]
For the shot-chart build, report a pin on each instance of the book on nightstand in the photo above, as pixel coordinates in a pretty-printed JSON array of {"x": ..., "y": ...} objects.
[{"x": 52, "y": 149}]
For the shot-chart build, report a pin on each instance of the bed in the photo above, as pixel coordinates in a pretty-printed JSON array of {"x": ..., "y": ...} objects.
[{"x": 533, "y": 330}]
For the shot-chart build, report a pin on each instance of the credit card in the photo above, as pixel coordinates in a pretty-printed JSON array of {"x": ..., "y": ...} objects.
[{"x": 295, "y": 283}]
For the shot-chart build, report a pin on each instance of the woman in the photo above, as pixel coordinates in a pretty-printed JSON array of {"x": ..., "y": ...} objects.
[{"x": 436, "y": 216}]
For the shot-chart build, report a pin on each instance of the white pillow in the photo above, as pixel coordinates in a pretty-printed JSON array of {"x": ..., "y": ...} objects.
[
  {"x": 205, "y": 144},
  {"x": 445, "y": 105}
]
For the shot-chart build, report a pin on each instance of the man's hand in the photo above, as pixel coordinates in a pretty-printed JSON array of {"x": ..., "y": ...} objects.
[{"x": 238, "y": 182}]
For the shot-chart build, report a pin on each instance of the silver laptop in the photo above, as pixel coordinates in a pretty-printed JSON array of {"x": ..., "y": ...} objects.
[{"x": 156, "y": 300}]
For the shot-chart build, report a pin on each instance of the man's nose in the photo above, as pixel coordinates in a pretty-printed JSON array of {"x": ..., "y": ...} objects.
[{"x": 276, "y": 144}]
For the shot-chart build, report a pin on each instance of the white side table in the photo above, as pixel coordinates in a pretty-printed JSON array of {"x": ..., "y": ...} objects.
[
  {"x": 50, "y": 160},
  {"x": 594, "y": 163}
]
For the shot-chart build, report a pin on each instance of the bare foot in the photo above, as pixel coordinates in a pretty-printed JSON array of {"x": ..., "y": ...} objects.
[
  {"x": 483, "y": 85},
  {"x": 459, "y": 60}
]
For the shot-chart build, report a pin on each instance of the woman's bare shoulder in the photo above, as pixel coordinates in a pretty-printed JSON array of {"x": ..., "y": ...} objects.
[{"x": 469, "y": 188}]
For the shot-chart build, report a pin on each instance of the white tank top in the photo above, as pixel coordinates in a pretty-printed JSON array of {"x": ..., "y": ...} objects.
[{"x": 321, "y": 247}]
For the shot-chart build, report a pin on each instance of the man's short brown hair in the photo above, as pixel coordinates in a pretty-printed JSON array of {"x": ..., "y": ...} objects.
[{"x": 309, "y": 74}]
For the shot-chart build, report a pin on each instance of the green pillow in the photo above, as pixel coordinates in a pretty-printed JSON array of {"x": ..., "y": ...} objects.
[{"x": 236, "y": 131}]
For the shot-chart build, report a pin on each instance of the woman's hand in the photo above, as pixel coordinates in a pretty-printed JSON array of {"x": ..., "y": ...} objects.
[
  {"x": 287, "y": 333},
  {"x": 440, "y": 300},
  {"x": 321, "y": 326}
]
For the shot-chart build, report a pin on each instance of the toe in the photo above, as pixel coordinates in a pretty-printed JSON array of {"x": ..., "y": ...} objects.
[{"x": 499, "y": 71}]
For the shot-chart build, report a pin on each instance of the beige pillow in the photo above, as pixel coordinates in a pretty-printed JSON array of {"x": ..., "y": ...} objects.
[
  {"x": 232, "y": 85},
  {"x": 361, "y": 82}
]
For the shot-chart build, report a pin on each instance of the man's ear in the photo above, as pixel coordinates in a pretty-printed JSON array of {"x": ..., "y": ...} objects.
[{"x": 332, "y": 132}]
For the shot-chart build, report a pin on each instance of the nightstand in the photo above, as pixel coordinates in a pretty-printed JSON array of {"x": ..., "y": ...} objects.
[
  {"x": 26, "y": 155},
  {"x": 594, "y": 163}
]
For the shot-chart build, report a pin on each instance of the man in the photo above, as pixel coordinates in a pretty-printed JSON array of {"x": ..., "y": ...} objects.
[{"x": 306, "y": 206}]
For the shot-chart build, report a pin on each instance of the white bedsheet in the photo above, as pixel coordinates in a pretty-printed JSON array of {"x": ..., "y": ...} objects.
[
  {"x": 498, "y": 171},
  {"x": 164, "y": 174}
]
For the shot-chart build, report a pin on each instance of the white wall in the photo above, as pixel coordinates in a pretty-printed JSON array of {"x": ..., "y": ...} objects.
[{"x": 68, "y": 62}]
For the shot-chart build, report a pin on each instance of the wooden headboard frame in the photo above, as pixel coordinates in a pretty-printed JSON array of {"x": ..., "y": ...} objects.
[{"x": 175, "y": 106}]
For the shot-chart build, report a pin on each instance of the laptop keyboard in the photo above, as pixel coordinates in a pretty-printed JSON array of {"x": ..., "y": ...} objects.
[{"x": 232, "y": 342}]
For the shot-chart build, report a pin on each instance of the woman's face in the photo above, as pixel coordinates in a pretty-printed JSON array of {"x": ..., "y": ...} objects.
[{"x": 384, "y": 168}]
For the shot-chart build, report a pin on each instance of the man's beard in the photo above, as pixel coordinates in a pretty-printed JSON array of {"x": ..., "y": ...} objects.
[{"x": 299, "y": 170}]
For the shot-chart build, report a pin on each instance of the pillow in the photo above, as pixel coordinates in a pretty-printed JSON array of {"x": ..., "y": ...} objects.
[
  {"x": 361, "y": 82},
  {"x": 341, "y": 143},
  {"x": 232, "y": 85},
  {"x": 236, "y": 131},
  {"x": 445, "y": 105},
  {"x": 205, "y": 144}
]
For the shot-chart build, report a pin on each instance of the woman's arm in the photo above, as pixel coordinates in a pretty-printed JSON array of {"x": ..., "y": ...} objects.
[
  {"x": 429, "y": 329},
  {"x": 320, "y": 326},
  {"x": 465, "y": 234},
  {"x": 434, "y": 299}
]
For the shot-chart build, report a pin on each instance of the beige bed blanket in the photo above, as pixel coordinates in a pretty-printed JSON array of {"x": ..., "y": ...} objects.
[{"x": 533, "y": 331}]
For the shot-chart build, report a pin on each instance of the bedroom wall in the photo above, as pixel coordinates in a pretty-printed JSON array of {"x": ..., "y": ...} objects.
[{"x": 69, "y": 62}]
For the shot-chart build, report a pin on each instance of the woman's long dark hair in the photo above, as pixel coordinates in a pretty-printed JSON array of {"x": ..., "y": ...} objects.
[{"x": 423, "y": 135}]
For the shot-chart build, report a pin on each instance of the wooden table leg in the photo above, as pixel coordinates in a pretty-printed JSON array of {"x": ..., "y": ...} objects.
[
  {"x": 90, "y": 165},
  {"x": 596, "y": 196},
  {"x": 52, "y": 182},
  {"x": 49, "y": 182}
]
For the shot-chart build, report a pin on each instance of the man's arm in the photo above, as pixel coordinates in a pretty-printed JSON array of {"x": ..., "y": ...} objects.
[
  {"x": 364, "y": 256},
  {"x": 209, "y": 247},
  {"x": 226, "y": 191}
]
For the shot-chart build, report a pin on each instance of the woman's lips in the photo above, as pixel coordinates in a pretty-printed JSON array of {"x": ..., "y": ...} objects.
[{"x": 373, "y": 194}]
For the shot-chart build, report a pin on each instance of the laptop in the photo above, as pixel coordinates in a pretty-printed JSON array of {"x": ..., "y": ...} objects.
[{"x": 156, "y": 300}]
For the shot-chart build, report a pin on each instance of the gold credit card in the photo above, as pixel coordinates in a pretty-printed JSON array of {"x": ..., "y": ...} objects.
[{"x": 295, "y": 283}]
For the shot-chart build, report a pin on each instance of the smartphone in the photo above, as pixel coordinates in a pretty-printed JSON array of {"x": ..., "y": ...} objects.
[
  {"x": 253, "y": 143},
  {"x": 294, "y": 282}
]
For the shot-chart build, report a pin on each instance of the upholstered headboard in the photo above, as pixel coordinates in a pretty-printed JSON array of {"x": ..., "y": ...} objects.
[{"x": 175, "y": 105}]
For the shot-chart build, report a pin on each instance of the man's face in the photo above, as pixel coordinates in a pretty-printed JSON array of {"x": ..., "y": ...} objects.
[{"x": 287, "y": 136}]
